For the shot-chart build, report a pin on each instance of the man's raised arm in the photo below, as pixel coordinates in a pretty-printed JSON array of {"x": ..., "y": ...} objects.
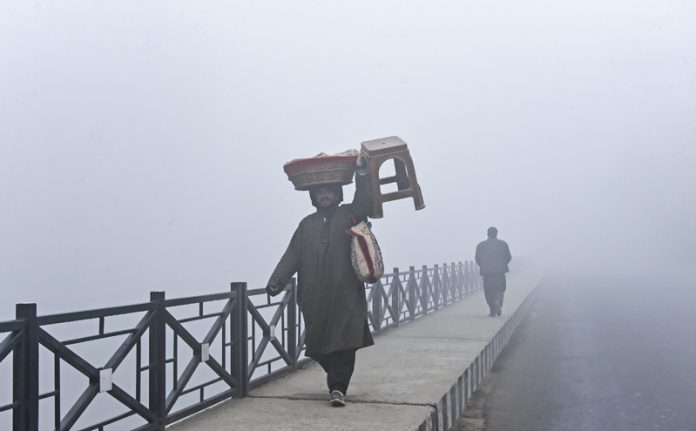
[{"x": 363, "y": 200}]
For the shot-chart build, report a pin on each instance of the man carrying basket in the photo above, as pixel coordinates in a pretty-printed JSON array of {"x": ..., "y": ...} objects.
[{"x": 329, "y": 293}]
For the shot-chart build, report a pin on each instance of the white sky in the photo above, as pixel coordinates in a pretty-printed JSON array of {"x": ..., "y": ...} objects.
[{"x": 142, "y": 142}]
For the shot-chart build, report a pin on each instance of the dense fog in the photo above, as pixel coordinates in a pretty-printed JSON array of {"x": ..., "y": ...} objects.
[{"x": 142, "y": 142}]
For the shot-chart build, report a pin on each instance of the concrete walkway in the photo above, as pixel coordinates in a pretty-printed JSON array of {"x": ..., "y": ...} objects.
[{"x": 418, "y": 376}]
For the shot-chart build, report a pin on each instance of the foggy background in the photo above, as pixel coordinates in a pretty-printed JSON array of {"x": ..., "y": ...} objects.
[{"x": 142, "y": 142}]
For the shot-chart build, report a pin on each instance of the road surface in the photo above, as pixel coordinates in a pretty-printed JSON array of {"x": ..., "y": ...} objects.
[{"x": 600, "y": 353}]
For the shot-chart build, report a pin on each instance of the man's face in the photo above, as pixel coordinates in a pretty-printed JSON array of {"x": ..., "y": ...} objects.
[{"x": 325, "y": 197}]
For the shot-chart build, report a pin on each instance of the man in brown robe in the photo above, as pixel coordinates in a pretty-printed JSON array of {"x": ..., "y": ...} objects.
[{"x": 331, "y": 297}]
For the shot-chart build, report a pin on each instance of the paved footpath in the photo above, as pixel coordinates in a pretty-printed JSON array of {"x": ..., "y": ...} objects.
[{"x": 418, "y": 376}]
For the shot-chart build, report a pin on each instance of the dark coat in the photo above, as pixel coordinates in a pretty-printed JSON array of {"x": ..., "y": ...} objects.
[
  {"x": 493, "y": 256},
  {"x": 331, "y": 297}
]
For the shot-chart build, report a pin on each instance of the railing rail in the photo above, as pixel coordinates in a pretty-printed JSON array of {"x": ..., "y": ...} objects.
[{"x": 247, "y": 338}]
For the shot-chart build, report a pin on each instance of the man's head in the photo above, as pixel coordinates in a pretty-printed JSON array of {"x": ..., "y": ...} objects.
[
  {"x": 492, "y": 232},
  {"x": 326, "y": 196}
]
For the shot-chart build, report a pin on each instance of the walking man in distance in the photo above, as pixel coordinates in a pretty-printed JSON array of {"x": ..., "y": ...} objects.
[{"x": 493, "y": 257}]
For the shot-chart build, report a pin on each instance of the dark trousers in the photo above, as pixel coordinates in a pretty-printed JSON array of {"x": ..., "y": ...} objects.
[
  {"x": 339, "y": 367},
  {"x": 494, "y": 289}
]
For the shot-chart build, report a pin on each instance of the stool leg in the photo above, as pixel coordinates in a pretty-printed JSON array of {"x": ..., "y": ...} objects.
[
  {"x": 417, "y": 194},
  {"x": 402, "y": 177}
]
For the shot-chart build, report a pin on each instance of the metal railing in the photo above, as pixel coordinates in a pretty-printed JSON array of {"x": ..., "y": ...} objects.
[
  {"x": 401, "y": 297},
  {"x": 176, "y": 357}
]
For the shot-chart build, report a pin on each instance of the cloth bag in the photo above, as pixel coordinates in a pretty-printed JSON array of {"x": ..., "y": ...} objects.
[{"x": 365, "y": 254}]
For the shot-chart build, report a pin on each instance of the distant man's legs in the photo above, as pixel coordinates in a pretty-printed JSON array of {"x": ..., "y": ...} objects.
[
  {"x": 494, "y": 289},
  {"x": 501, "y": 294}
]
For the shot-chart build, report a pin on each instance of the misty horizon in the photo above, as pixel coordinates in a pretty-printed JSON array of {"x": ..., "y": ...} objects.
[{"x": 142, "y": 143}]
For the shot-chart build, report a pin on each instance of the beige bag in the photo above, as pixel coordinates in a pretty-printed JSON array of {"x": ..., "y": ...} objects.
[{"x": 365, "y": 254}]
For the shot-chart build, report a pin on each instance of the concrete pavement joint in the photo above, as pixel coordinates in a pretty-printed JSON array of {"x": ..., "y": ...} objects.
[
  {"x": 291, "y": 398},
  {"x": 441, "y": 338}
]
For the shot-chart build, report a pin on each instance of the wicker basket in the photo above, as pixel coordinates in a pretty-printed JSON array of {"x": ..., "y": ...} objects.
[{"x": 314, "y": 171}]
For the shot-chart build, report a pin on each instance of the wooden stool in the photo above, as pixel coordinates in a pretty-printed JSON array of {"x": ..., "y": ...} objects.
[{"x": 375, "y": 153}]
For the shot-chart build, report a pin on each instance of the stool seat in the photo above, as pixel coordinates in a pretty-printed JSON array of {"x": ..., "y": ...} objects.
[
  {"x": 378, "y": 151},
  {"x": 385, "y": 146}
]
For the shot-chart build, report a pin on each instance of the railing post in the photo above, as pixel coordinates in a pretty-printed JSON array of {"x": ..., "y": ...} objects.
[
  {"x": 377, "y": 291},
  {"x": 412, "y": 297},
  {"x": 396, "y": 305},
  {"x": 446, "y": 284},
  {"x": 455, "y": 283},
  {"x": 240, "y": 344},
  {"x": 25, "y": 388},
  {"x": 462, "y": 280},
  {"x": 478, "y": 278},
  {"x": 474, "y": 281},
  {"x": 472, "y": 273},
  {"x": 292, "y": 322},
  {"x": 157, "y": 362},
  {"x": 425, "y": 290},
  {"x": 436, "y": 285},
  {"x": 467, "y": 278}
]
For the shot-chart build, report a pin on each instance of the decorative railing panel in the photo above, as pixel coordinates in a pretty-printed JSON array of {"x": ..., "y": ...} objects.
[
  {"x": 129, "y": 378},
  {"x": 275, "y": 336}
]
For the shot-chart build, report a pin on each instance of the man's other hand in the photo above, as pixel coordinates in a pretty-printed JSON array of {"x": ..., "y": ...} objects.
[
  {"x": 273, "y": 290},
  {"x": 360, "y": 167},
  {"x": 359, "y": 160}
]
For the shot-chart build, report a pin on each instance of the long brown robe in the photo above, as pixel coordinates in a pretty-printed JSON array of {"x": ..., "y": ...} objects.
[{"x": 331, "y": 297}]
